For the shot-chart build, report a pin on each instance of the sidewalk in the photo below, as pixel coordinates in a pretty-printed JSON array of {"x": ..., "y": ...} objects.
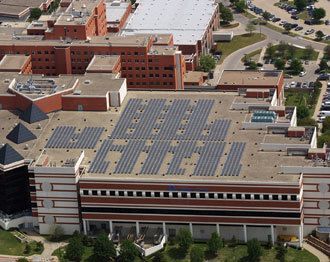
[{"x": 322, "y": 257}]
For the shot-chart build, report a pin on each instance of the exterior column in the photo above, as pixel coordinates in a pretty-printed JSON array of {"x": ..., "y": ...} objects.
[
  {"x": 164, "y": 228},
  {"x": 191, "y": 229},
  {"x": 272, "y": 233},
  {"x": 85, "y": 227},
  {"x": 110, "y": 226},
  {"x": 300, "y": 235},
  {"x": 245, "y": 233},
  {"x": 137, "y": 228},
  {"x": 218, "y": 229}
]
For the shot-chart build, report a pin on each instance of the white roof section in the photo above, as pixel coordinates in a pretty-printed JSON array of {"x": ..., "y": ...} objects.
[
  {"x": 187, "y": 20},
  {"x": 115, "y": 10}
]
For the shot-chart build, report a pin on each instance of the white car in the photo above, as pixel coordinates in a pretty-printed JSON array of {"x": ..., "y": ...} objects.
[
  {"x": 293, "y": 84},
  {"x": 282, "y": 22},
  {"x": 302, "y": 73}
]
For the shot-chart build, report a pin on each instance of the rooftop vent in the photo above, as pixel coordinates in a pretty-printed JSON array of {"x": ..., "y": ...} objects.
[{"x": 87, "y": 82}]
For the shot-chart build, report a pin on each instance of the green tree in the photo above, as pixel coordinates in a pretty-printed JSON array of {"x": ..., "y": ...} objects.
[
  {"x": 296, "y": 66},
  {"x": 35, "y": 13},
  {"x": 206, "y": 63},
  {"x": 250, "y": 27},
  {"x": 240, "y": 6},
  {"x": 327, "y": 52},
  {"x": 27, "y": 248},
  {"x": 214, "y": 244},
  {"x": 254, "y": 250},
  {"x": 308, "y": 52},
  {"x": 326, "y": 125},
  {"x": 270, "y": 51},
  {"x": 291, "y": 51},
  {"x": 56, "y": 233},
  {"x": 233, "y": 242},
  {"x": 226, "y": 15},
  {"x": 302, "y": 112},
  {"x": 75, "y": 249},
  {"x": 39, "y": 246},
  {"x": 307, "y": 121},
  {"x": 279, "y": 64},
  {"x": 280, "y": 252},
  {"x": 287, "y": 28},
  {"x": 184, "y": 238},
  {"x": 159, "y": 257},
  {"x": 318, "y": 13},
  {"x": 197, "y": 254},
  {"x": 252, "y": 65},
  {"x": 300, "y": 4},
  {"x": 323, "y": 64},
  {"x": 22, "y": 259},
  {"x": 319, "y": 35},
  {"x": 128, "y": 251},
  {"x": 103, "y": 248},
  {"x": 324, "y": 139}
]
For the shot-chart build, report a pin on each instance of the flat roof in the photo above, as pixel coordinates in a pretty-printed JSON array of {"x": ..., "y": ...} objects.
[
  {"x": 13, "y": 62},
  {"x": 250, "y": 77},
  {"x": 194, "y": 76},
  {"x": 187, "y": 20},
  {"x": 163, "y": 50},
  {"x": 189, "y": 137},
  {"x": 115, "y": 10},
  {"x": 103, "y": 63}
]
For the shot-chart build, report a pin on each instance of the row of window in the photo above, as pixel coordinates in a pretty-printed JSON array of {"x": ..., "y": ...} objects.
[
  {"x": 145, "y": 76},
  {"x": 151, "y": 83},
  {"x": 202, "y": 195}
]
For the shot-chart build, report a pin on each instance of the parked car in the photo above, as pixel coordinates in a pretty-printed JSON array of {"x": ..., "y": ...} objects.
[
  {"x": 283, "y": 22},
  {"x": 324, "y": 76},
  {"x": 298, "y": 28},
  {"x": 311, "y": 85},
  {"x": 298, "y": 85},
  {"x": 276, "y": 19},
  {"x": 303, "y": 73},
  {"x": 304, "y": 85},
  {"x": 309, "y": 31},
  {"x": 327, "y": 22},
  {"x": 287, "y": 85},
  {"x": 293, "y": 84},
  {"x": 295, "y": 17},
  {"x": 294, "y": 25}
]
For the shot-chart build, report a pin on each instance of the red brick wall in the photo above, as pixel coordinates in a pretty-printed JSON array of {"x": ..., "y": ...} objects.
[
  {"x": 70, "y": 103},
  {"x": 8, "y": 102},
  {"x": 50, "y": 103},
  {"x": 63, "y": 60}
]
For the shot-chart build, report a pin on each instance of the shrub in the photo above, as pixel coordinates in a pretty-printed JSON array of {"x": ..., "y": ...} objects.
[
  {"x": 214, "y": 243},
  {"x": 184, "y": 238},
  {"x": 254, "y": 250},
  {"x": 197, "y": 254}
]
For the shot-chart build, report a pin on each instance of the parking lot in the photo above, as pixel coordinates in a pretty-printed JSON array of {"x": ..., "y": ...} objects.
[
  {"x": 285, "y": 17},
  {"x": 323, "y": 109}
]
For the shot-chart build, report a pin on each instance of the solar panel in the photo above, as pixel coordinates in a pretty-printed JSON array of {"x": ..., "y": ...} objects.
[
  {"x": 99, "y": 165},
  {"x": 155, "y": 157},
  {"x": 184, "y": 150},
  {"x": 232, "y": 166},
  {"x": 65, "y": 137},
  {"x": 209, "y": 158}
]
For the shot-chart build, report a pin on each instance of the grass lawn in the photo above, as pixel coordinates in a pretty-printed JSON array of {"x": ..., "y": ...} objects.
[
  {"x": 239, "y": 253},
  {"x": 299, "y": 53},
  {"x": 299, "y": 98},
  {"x": 249, "y": 15},
  {"x": 10, "y": 245},
  {"x": 253, "y": 55},
  {"x": 238, "y": 42},
  {"x": 304, "y": 15}
]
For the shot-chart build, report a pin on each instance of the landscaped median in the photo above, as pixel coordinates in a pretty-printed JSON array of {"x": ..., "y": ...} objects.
[{"x": 238, "y": 42}]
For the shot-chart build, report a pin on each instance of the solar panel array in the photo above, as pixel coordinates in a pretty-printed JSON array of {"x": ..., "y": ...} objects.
[
  {"x": 232, "y": 166},
  {"x": 65, "y": 137},
  {"x": 162, "y": 131}
]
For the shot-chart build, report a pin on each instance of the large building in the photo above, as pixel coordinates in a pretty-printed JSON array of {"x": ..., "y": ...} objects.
[
  {"x": 190, "y": 21},
  {"x": 230, "y": 162}
]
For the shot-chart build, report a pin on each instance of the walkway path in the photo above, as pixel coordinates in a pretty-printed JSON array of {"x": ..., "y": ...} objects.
[{"x": 322, "y": 257}]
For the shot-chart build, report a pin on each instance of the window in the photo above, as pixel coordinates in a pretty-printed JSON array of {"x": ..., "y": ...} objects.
[
  {"x": 85, "y": 192},
  {"x": 238, "y": 196},
  {"x": 94, "y": 192},
  {"x": 136, "y": 53},
  {"x": 275, "y": 197},
  {"x": 121, "y": 193},
  {"x": 284, "y": 197},
  {"x": 211, "y": 195},
  {"x": 175, "y": 194},
  {"x": 266, "y": 197},
  {"x": 184, "y": 195},
  {"x": 157, "y": 194},
  {"x": 257, "y": 197},
  {"x": 247, "y": 196},
  {"x": 294, "y": 198},
  {"x": 130, "y": 193},
  {"x": 201, "y": 195},
  {"x": 148, "y": 194},
  {"x": 139, "y": 193},
  {"x": 220, "y": 195},
  {"x": 151, "y": 75},
  {"x": 229, "y": 196},
  {"x": 103, "y": 193},
  {"x": 192, "y": 195},
  {"x": 166, "y": 194}
]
